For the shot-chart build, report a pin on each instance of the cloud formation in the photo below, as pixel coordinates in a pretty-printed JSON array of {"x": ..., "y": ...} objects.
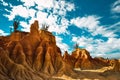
[
  {"x": 51, "y": 12},
  {"x": 64, "y": 47},
  {"x": 55, "y": 12},
  {"x": 54, "y": 15},
  {"x": 99, "y": 47},
  {"x": 116, "y": 7},
  {"x": 93, "y": 25},
  {"x": 2, "y": 33}
]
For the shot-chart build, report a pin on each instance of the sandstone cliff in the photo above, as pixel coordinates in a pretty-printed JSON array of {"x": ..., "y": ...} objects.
[
  {"x": 34, "y": 55},
  {"x": 80, "y": 58},
  {"x": 31, "y": 56}
]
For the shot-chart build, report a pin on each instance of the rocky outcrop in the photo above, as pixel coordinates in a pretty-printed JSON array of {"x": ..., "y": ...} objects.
[
  {"x": 115, "y": 64},
  {"x": 15, "y": 71},
  {"x": 69, "y": 59},
  {"x": 80, "y": 58},
  {"x": 101, "y": 62},
  {"x": 31, "y": 56},
  {"x": 83, "y": 59},
  {"x": 35, "y": 56}
]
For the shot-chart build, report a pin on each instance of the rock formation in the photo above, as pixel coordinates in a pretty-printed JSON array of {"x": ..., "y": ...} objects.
[
  {"x": 115, "y": 64},
  {"x": 80, "y": 58},
  {"x": 68, "y": 59},
  {"x": 31, "y": 56},
  {"x": 83, "y": 59},
  {"x": 34, "y": 55}
]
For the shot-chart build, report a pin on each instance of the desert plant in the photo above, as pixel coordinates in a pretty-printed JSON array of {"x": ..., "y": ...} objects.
[
  {"x": 45, "y": 27},
  {"x": 76, "y": 46},
  {"x": 15, "y": 24}
]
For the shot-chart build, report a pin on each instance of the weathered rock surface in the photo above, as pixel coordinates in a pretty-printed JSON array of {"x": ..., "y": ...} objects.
[
  {"x": 35, "y": 56},
  {"x": 69, "y": 59},
  {"x": 115, "y": 64},
  {"x": 31, "y": 56},
  {"x": 80, "y": 58},
  {"x": 83, "y": 59}
]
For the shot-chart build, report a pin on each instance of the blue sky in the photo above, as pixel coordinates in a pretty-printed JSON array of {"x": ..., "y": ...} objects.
[{"x": 93, "y": 24}]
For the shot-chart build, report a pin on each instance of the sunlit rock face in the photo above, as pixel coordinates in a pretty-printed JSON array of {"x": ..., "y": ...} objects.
[
  {"x": 31, "y": 56},
  {"x": 115, "y": 64},
  {"x": 68, "y": 59},
  {"x": 83, "y": 59},
  {"x": 34, "y": 55},
  {"x": 80, "y": 58}
]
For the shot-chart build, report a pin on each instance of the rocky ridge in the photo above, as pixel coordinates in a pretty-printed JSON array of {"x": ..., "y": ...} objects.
[
  {"x": 34, "y": 55},
  {"x": 80, "y": 58}
]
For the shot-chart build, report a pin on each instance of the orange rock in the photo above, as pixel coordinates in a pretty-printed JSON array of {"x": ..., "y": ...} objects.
[
  {"x": 28, "y": 54},
  {"x": 81, "y": 59},
  {"x": 68, "y": 59},
  {"x": 116, "y": 65}
]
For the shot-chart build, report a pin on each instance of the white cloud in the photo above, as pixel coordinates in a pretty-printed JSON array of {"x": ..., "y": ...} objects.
[
  {"x": 113, "y": 56},
  {"x": 85, "y": 42},
  {"x": 42, "y": 4},
  {"x": 41, "y": 17},
  {"x": 98, "y": 47},
  {"x": 18, "y": 10},
  {"x": 70, "y": 7},
  {"x": 116, "y": 7},
  {"x": 109, "y": 46},
  {"x": 115, "y": 27},
  {"x": 4, "y": 3},
  {"x": 92, "y": 24},
  {"x": 55, "y": 17},
  {"x": 64, "y": 47},
  {"x": 28, "y": 3},
  {"x": 56, "y": 12},
  {"x": 61, "y": 28},
  {"x": 31, "y": 13},
  {"x": 2, "y": 33},
  {"x": 59, "y": 7},
  {"x": 25, "y": 26}
]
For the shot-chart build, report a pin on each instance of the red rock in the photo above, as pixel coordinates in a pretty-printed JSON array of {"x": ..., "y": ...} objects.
[
  {"x": 81, "y": 59},
  {"x": 69, "y": 59},
  {"x": 115, "y": 64},
  {"x": 28, "y": 54},
  {"x": 35, "y": 56}
]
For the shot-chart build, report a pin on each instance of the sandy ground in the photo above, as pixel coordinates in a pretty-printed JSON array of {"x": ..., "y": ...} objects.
[{"x": 99, "y": 74}]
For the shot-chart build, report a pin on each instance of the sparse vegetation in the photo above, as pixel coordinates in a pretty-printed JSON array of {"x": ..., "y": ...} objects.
[
  {"x": 76, "y": 46},
  {"x": 16, "y": 24},
  {"x": 45, "y": 27}
]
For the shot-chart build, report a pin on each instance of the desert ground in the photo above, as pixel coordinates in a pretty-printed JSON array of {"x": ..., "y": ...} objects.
[{"x": 104, "y": 73}]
